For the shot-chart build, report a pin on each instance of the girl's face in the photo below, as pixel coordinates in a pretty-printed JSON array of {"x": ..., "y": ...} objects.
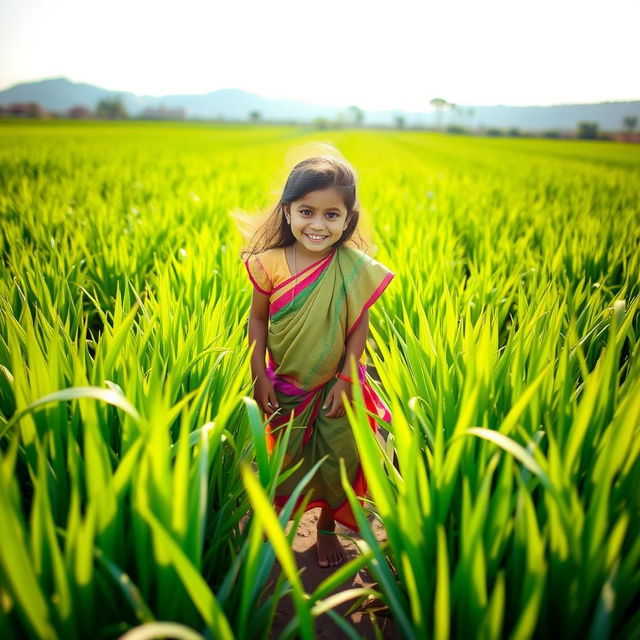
[{"x": 318, "y": 220}]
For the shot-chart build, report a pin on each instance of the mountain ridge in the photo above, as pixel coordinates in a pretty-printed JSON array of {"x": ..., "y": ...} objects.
[{"x": 60, "y": 94}]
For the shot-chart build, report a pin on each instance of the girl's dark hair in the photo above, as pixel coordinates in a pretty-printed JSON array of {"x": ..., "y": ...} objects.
[{"x": 312, "y": 174}]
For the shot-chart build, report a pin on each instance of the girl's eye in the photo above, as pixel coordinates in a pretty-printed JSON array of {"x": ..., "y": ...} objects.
[
  {"x": 304, "y": 212},
  {"x": 331, "y": 215}
]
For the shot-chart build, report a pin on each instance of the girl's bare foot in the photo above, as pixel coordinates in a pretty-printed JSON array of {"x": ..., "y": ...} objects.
[{"x": 330, "y": 551}]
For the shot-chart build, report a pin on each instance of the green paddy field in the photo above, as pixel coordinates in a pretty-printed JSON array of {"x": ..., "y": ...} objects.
[{"x": 507, "y": 348}]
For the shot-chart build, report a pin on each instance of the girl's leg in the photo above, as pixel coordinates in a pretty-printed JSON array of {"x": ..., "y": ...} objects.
[{"x": 330, "y": 551}]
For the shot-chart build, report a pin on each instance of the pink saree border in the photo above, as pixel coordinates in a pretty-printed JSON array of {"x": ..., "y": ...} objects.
[
  {"x": 288, "y": 297},
  {"x": 300, "y": 407},
  {"x": 311, "y": 266},
  {"x": 360, "y": 482}
]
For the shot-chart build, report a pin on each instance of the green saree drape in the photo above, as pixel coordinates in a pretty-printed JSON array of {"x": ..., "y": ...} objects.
[{"x": 312, "y": 314}]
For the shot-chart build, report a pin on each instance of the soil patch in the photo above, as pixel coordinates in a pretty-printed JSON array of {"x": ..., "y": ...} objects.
[{"x": 304, "y": 548}]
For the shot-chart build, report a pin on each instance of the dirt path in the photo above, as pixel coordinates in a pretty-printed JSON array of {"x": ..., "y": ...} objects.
[{"x": 304, "y": 548}]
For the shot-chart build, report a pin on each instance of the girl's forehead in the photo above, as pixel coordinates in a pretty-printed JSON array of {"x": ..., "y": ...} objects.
[{"x": 329, "y": 197}]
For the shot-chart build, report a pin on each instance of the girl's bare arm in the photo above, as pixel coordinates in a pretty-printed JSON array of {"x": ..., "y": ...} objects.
[{"x": 258, "y": 325}]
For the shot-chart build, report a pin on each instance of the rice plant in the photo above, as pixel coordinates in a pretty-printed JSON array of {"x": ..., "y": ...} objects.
[{"x": 136, "y": 488}]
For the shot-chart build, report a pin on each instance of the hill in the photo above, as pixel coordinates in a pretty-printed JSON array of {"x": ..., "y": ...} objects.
[{"x": 60, "y": 94}]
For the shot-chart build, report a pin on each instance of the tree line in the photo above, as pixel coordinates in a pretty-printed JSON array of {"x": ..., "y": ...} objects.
[{"x": 113, "y": 108}]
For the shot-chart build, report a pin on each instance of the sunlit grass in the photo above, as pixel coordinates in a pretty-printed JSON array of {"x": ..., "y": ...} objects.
[{"x": 506, "y": 347}]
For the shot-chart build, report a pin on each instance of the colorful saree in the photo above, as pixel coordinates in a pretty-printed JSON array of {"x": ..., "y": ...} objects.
[{"x": 311, "y": 316}]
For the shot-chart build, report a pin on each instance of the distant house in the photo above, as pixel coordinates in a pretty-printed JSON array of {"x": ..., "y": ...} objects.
[
  {"x": 162, "y": 113},
  {"x": 80, "y": 113},
  {"x": 625, "y": 137},
  {"x": 26, "y": 110}
]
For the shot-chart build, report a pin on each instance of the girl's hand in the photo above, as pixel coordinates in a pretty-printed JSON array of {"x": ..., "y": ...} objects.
[
  {"x": 334, "y": 399},
  {"x": 265, "y": 395}
]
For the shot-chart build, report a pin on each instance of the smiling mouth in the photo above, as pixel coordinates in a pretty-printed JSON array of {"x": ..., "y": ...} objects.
[{"x": 315, "y": 238}]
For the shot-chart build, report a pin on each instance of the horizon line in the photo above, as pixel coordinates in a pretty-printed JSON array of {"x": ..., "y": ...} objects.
[{"x": 150, "y": 95}]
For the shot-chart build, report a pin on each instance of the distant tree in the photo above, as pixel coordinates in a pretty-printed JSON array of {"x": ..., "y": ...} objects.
[
  {"x": 400, "y": 122},
  {"x": 551, "y": 133},
  {"x": 453, "y": 108},
  {"x": 111, "y": 109},
  {"x": 438, "y": 104},
  {"x": 587, "y": 130},
  {"x": 514, "y": 132},
  {"x": 320, "y": 123},
  {"x": 255, "y": 115},
  {"x": 494, "y": 132},
  {"x": 629, "y": 124},
  {"x": 357, "y": 115},
  {"x": 36, "y": 111},
  {"x": 455, "y": 128}
]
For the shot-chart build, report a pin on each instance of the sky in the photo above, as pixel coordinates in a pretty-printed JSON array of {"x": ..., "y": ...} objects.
[{"x": 377, "y": 55}]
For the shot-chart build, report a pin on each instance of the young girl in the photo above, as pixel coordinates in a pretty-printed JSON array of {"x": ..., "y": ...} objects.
[{"x": 309, "y": 313}]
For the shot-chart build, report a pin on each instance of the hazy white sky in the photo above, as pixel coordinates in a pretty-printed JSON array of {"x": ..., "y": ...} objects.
[{"x": 393, "y": 54}]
